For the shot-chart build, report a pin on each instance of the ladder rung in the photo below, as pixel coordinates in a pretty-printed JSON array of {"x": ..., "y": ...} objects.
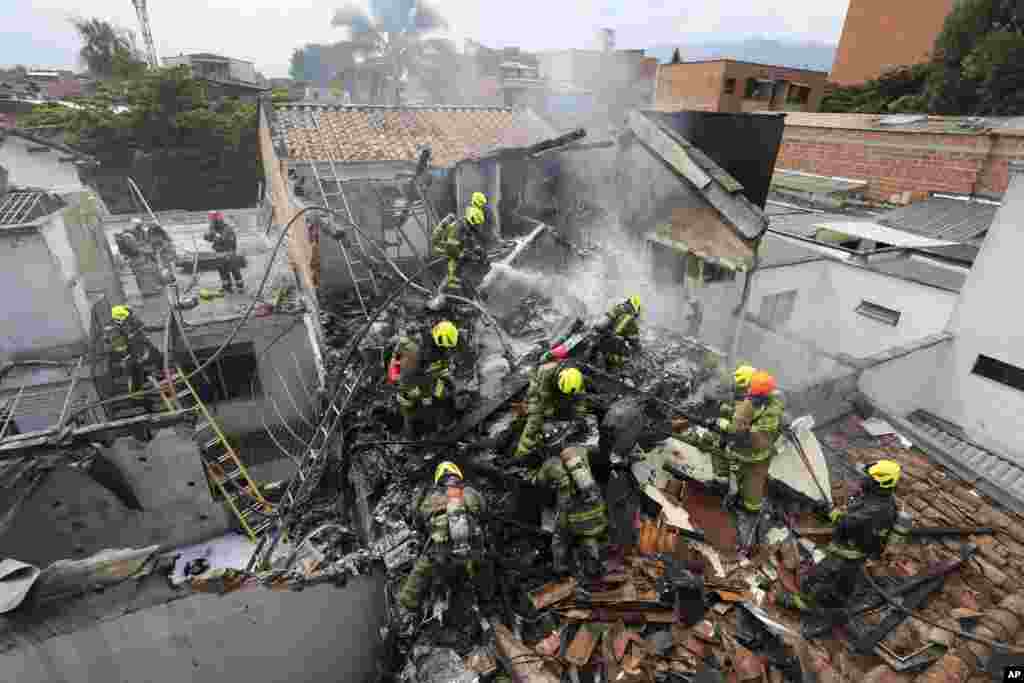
[
  {"x": 211, "y": 442},
  {"x": 334, "y": 406},
  {"x": 203, "y": 426},
  {"x": 224, "y": 458},
  {"x": 260, "y": 528}
]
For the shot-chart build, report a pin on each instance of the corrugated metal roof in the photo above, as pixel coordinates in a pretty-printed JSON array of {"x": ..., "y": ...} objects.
[
  {"x": 954, "y": 220},
  {"x": 805, "y": 223},
  {"x": 961, "y": 125},
  {"x": 19, "y": 207},
  {"x": 921, "y": 270}
]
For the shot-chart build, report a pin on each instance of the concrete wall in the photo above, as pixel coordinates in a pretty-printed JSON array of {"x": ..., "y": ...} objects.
[
  {"x": 55, "y": 232},
  {"x": 988, "y": 411},
  {"x": 37, "y": 314},
  {"x": 879, "y": 35},
  {"x": 83, "y": 220},
  {"x": 261, "y": 636},
  {"x": 896, "y": 161},
  {"x": 907, "y": 383},
  {"x": 828, "y": 293}
]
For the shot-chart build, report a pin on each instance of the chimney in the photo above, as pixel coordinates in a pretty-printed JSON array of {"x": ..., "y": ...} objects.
[{"x": 606, "y": 39}]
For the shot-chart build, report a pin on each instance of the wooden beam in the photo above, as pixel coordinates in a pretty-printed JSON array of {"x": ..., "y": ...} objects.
[
  {"x": 16, "y": 447},
  {"x": 670, "y": 151}
]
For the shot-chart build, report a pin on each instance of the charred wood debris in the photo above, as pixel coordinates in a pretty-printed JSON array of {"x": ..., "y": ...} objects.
[{"x": 677, "y": 601}]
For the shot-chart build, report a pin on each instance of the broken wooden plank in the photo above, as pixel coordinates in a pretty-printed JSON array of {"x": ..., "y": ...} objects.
[
  {"x": 523, "y": 663},
  {"x": 551, "y": 593},
  {"x": 628, "y": 616},
  {"x": 625, "y": 593},
  {"x": 582, "y": 646},
  {"x": 16, "y": 446}
]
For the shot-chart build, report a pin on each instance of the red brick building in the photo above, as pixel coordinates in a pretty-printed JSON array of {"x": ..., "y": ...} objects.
[
  {"x": 727, "y": 85},
  {"x": 881, "y": 34},
  {"x": 933, "y": 154}
]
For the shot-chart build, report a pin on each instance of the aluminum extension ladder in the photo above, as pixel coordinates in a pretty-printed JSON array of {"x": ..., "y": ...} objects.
[
  {"x": 350, "y": 237},
  {"x": 314, "y": 461},
  {"x": 225, "y": 471}
]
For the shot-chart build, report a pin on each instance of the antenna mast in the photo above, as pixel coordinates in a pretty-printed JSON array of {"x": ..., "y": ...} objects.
[{"x": 147, "y": 35}]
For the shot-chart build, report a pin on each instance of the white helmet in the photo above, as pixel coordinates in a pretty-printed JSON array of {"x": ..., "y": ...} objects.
[{"x": 136, "y": 222}]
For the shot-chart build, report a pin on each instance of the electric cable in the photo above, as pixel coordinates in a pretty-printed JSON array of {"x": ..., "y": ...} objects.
[{"x": 995, "y": 645}]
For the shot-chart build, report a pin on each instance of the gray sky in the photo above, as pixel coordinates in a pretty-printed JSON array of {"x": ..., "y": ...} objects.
[{"x": 37, "y": 33}]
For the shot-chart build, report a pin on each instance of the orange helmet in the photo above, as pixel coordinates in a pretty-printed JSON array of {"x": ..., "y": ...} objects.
[{"x": 761, "y": 384}]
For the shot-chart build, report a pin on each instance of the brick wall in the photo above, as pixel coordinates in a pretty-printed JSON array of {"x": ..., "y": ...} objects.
[
  {"x": 880, "y": 34},
  {"x": 894, "y": 162},
  {"x": 695, "y": 85}
]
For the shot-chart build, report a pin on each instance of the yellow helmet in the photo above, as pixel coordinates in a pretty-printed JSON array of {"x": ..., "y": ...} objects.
[
  {"x": 446, "y": 335},
  {"x": 743, "y": 375},
  {"x": 479, "y": 199},
  {"x": 120, "y": 313},
  {"x": 570, "y": 381},
  {"x": 885, "y": 472},
  {"x": 474, "y": 215},
  {"x": 444, "y": 469},
  {"x": 634, "y": 301}
]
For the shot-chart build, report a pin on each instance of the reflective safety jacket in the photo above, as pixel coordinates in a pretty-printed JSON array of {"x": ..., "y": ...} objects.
[
  {"x": 447, "y": 238},
  {"x": 623, "y": 320},
  {"x": 447, "y": 534},
  {"x": 426, "y": 370},
  {"x": 764, "y": 417},
  {"x": 127, "y": 340},
  {"x": 585, "y": 516},
  {"x": 867, "y": 525}
]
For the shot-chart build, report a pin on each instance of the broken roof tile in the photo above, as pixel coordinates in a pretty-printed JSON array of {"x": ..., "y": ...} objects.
[{"x": 356, "y": 133}]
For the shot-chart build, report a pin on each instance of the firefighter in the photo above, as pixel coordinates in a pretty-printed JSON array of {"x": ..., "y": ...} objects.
[
  {"x": 160, "y": 242},
  {"x": 449, "y": 238},
  {"x": 555, "y": 390},
  {"x": 620, "y": 331},
  {"x": 130, "y": 348},
  {"x": 450, "y": 513},
  {"x": 753, "y": 429},
  {"x": 224, "y": 241},
  {"x": 426, "y": 390},
  {"x": 582, "y": 516},
  {"x": 871, "y": 521},
  {"x": 711, "y": 443}
]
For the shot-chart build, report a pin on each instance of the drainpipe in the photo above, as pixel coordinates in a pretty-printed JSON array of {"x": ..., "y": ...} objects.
[{"x": 734, "y": 348}]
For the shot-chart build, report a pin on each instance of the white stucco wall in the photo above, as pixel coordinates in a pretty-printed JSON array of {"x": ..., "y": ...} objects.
[
  {"x": 907, "y": 383},
  {"x": 987, "y": 321},
  {"x": 828, "y": 293}
]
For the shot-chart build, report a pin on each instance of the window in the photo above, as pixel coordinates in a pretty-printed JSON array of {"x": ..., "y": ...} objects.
[
  {"x": 998, "y": 371},
  {"x": 798, "y": 94},
  {"x": 879, "y": 313},
  {"x": 233, "y": 376},
  {"x": 777, "y": 309},
  {"x": 758, "y": 89},
  {"x": 730, "y": 86}
]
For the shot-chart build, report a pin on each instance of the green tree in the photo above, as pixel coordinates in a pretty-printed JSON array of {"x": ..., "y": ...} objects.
[
  {"x": 391, "y": 41},
  {"x": 676, "y": 57},
  {"x": 977, "y": 39},
  {"x": 107, "y": 51},
  {"x": 165, "y": 108},
  {"x": 898, "y": 90}
]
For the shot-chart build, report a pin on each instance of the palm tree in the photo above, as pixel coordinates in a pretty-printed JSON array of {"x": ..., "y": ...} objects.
[
  {"x": 390, "y": 41},
  {"x": 104, "y": 48}
]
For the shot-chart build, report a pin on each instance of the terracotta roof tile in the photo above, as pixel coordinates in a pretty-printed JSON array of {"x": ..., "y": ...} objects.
[{"x": 355, "y": 133}]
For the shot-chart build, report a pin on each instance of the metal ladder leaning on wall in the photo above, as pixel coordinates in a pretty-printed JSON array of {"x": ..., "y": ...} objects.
[
  {"x": 347, "y": 236},
  {"x": 224, "y": 469}
]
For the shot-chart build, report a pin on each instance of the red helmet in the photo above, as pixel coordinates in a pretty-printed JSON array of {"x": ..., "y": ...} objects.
[{"x": 216, "y": 216}]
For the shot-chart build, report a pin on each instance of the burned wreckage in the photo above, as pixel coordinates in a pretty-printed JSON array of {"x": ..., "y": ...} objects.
[
  {"x": 533, "y": 465},
  {"x": 514, "y": 428}
]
